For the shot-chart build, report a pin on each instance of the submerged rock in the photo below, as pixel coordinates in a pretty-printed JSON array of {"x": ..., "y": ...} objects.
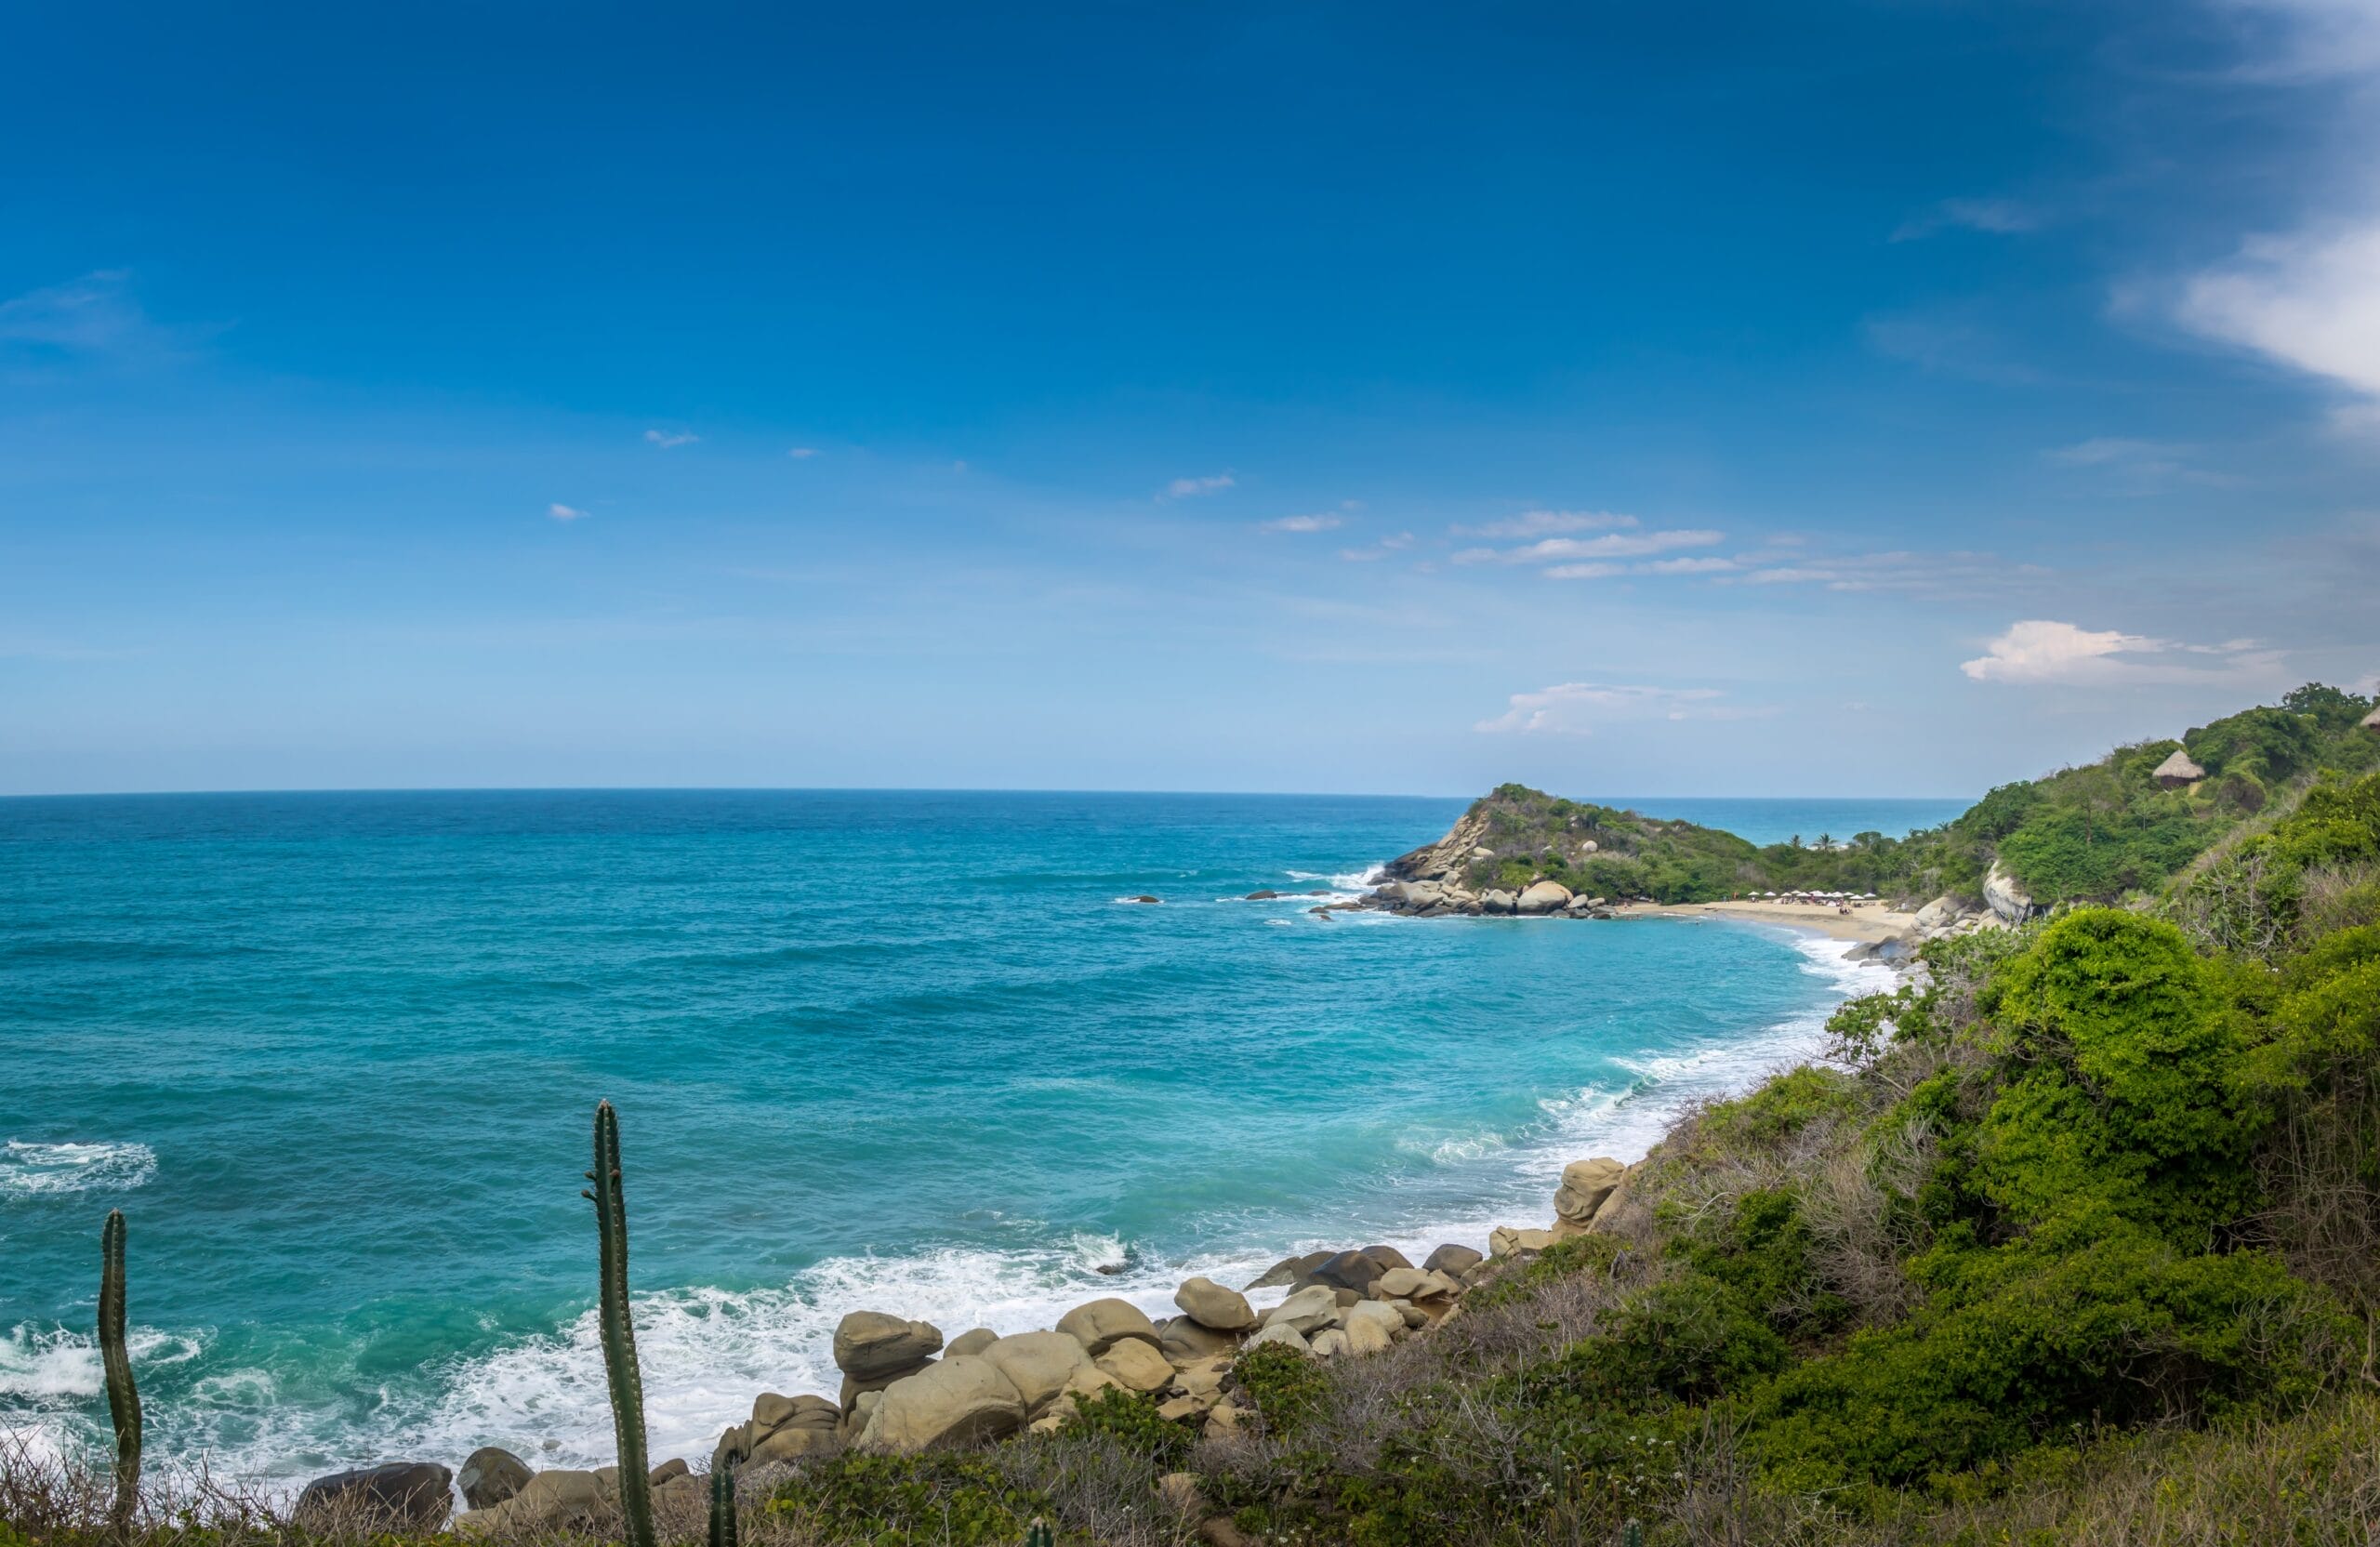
[{"x": 399, "y": 1496}]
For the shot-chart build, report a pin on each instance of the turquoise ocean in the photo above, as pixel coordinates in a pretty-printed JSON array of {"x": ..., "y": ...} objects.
[{"x": 335, "y": 1055}]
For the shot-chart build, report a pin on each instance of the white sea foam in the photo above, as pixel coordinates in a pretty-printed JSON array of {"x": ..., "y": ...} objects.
[{"x": 31, "y": 1170}]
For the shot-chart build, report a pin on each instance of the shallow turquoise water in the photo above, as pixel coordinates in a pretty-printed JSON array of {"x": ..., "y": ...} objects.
[{"x": 335, "y": 1055}]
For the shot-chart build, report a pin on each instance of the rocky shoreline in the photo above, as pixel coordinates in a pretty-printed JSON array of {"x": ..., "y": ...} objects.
[{"x": 905, "y": 1388}]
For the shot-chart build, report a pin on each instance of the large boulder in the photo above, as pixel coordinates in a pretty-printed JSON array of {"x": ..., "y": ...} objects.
[
  {"x": 1097, "y": 1325},
  {"x": 973, "y": 1343},
  {"x": 1181, "y": 1338},
  {"x": 1495, "y": 900},
  {"x": 1451, "y": 1259},
  {"x": 1137, "y": 1366},
  {"x": 1372, "y": 1326},
  {"x": 559, "y": 1498},
  {"x": 490, "y": 1476},
  {"x": 1038, "y": 1363},
  {"x": 1388, "y": 1257},
  {"x": 399, "y": 1495},
  {"x": 2006, "y": 897},
  {"x": 1586, "y": 1185},
  {"x": 1307, "y": 1311},
  {"x": 786, "y": 1428},
  {"x": 1543, "y": 897},
  {"x": 1211, "y": 1305},
  {"x": 1278, "y": 1332},
  {"x": 1349, "y": 1270},
  {"x": 1940, "y": 914},
  {"x": 1504, "y": 1241},
  {"x": 957, "y": 1402},
  {"x": 870, "y": 1345},
  {"x": 1288, "y": 1270},
  {"x": 1414, "y": 1284}
]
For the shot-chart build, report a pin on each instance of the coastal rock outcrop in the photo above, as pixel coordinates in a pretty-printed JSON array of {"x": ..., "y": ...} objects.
[
  {"x": 1542, "y": 897},
  {"x": 1038, "y": 1364},
  {"x": 870, "y": 1345},
  {"x": 1100, "y": 1324},
  {"x": 1214, "y": 1307},
  {"x": 399, "y": 1495},
  {"x": 490, "y": 1476},
  {"x": 2007, "y": 899},
  {"x": 959, "y": 1401},
  {"x": 1585, "y": 1186}
]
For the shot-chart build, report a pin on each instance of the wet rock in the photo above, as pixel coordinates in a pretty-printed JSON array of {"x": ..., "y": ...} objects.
[{"x": 490, "y": 1476}]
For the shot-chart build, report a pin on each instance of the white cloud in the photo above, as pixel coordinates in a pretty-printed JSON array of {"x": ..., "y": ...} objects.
[
  {"x": 1957, "y": 573},
  {"x": 666, "y": 439},
  {"x": 1188, "y": 488},
  {"x": 1585, "y": 571},
  {"x": 1539, "y": 524},
  {"x": 2038, "y": 652},
  {"x": 1323, "y": 523},
  {"x": 1614, "y": 544},
  {"x": 2307, "y": 39},
  {"x": 1687, "y": 566},
  {"x": 1577, "y": 709},
  {"x": 1999, "y": 216},
  {"x": 566, "y": 512},
  {"x": 2309, "y": 301},
  {"x": 803, "y": 454}
]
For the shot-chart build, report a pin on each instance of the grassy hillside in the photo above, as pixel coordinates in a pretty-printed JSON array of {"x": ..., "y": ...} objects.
[{"x": 2101, "y": 831}]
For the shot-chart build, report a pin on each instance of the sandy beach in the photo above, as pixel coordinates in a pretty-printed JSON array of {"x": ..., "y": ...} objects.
[{"x": 1874, "y": 921}]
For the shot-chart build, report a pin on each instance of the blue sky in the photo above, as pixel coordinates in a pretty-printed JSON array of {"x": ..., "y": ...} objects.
[{"x": 1860, "y": 399}]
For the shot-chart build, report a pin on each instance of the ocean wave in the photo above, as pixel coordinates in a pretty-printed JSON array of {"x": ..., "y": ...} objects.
[
  {"x": 1344, "y": 880},
  {"x": 33, "y": 1169}
]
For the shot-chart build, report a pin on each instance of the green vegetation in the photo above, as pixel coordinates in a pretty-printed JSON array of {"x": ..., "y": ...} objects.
[
  {"x": 2083, "y": 1226},
  {"x": 2102, "y": 831}
]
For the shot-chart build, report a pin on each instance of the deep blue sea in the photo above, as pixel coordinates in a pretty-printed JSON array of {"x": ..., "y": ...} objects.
[{"x": 336, "y": 1057}]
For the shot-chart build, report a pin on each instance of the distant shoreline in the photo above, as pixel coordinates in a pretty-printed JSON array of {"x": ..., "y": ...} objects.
[{"x": 1861, "y": 925}]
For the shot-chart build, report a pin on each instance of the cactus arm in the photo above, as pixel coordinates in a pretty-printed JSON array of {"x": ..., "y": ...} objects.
[
  {"x": 124, "y": 1398},
  {"x": 722, "y": 1503},
  {"x": 1040, "y": 1535},
  {"x": 618, "y": 1331}
]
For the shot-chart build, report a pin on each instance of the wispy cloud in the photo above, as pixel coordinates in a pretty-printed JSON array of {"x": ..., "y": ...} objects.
[
  {"x": 2299, "y": 40},
  {"x": 2039, "y": 651},
  {"x": 1190, "y": 488},
  {"x": 1539, "y": 523},
  {"x": 1951, "y": 573},
  {"x": 1999, "y": 216},
  {"x": 803, "y": 454},
  {"x": 1579, "y": 709},
  {"x": 1320, "y": 522},
  {"x": 1949, "y": 343},
  {"x": 95, "y": 318},
  {"x": 668, "y": 439},
  {"x": 1614, "y": 544},
  {"x": 2138, "y": 466},
  {"x": 1385, "y": 547},
  {"x": 2309, "y": 301},
  {"x": 560, "y": 511}
]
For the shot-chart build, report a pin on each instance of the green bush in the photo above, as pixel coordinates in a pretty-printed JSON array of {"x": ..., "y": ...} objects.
[
  {"x": 939, "y": 1498},
  {"x": 1130, "y": 1418},
  {"x": 1287, "y": 1387}
]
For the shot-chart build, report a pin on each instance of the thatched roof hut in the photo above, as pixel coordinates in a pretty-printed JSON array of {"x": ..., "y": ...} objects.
[
  {"x": 2177, "y": 770},
  {"x": 2371, "y": 723}
]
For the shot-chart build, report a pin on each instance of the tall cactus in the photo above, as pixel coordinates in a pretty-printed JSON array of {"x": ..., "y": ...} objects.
[
  {"x": 1633, "y": 1534},
  {"x": 1040, "y": 1535},
  {"x": 619, "y": 1333},
  {"x": 722, "y": 1502},
  {"x": 124, "y": 1399}
]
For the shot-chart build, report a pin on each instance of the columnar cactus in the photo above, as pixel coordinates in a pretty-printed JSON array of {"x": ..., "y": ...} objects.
[
  {"x": 722, "y": 1503},
  {"x": 124, "y": 1398},
  {"x": 619, "y": 1332},
  {"x": 1631, "y": 1534},
  {"x": 1040, "y": 1535}
]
